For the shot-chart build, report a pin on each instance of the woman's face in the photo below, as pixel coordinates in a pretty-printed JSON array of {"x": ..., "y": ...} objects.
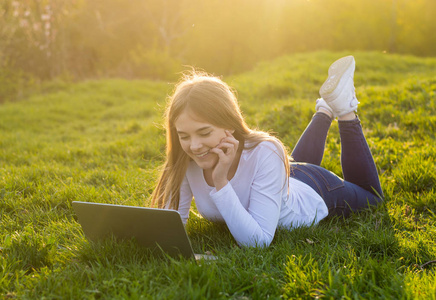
[{"x": 197, "y": 137}]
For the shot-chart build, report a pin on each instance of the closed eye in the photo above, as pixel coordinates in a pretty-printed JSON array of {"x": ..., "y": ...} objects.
[{"x": 205, "y": 134}]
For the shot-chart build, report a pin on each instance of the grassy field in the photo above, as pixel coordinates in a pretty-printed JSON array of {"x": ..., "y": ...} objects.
[{"x": 102, "y": 141}]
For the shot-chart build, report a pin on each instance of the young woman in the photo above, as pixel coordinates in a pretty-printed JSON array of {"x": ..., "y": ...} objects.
[{"x": 243, "y": 177}]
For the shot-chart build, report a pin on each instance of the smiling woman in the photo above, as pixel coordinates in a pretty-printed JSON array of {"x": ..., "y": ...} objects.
[
  {"x": 204, "y": 124},
  {"x": 240, "y": 176}
]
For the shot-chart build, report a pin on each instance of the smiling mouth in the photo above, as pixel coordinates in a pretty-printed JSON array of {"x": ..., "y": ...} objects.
[{"x": 202, "y": 154}]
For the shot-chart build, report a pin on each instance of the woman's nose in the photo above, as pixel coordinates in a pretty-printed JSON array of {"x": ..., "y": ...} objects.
[{"x": 195, "y": 144}]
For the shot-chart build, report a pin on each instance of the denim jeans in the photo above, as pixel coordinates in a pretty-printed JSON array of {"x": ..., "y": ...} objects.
[{"x": 360, "y": 186}]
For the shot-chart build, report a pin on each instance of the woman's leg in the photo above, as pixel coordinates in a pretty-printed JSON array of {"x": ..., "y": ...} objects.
[
  {"x": 339, "y": 94},
  {"x": 357, "y": 162},
  {"x": 341, "y": 197},
  {"x": 361, "y": 186},
  {"x": 310, "y": 146}
]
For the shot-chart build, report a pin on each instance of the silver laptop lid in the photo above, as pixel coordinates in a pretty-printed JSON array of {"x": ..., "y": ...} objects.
[{"x": 149, "y": 226}]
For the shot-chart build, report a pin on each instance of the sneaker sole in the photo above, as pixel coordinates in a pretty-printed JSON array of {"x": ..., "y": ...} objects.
[{"x": 335, "y": 73}]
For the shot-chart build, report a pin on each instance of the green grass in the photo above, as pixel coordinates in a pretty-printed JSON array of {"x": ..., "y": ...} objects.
[{"x": 103, "y": 141}]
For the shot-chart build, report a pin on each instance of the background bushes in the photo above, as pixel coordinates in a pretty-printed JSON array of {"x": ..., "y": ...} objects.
[{"x": 155, "y": 39}]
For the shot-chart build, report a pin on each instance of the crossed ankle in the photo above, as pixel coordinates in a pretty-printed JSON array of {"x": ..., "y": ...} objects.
[{"x": 326, "y": 112}]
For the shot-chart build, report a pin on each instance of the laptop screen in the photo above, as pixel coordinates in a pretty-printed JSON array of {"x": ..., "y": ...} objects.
[{"x": 150, "y": 227}]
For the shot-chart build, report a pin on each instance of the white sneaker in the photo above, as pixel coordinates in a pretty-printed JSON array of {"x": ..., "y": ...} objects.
[{"x": 338, "y": 90}]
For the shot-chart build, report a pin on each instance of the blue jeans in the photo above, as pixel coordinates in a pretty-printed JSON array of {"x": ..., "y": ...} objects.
[{"x": 360, "y": 186}]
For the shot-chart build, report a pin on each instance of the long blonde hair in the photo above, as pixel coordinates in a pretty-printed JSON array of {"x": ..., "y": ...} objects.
[{"x": 213, "y": 100}]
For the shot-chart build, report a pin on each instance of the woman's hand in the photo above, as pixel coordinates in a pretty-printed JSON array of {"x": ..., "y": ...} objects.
[{"x": 226, "y": 150}]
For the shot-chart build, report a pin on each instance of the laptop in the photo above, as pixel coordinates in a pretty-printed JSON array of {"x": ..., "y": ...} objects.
[{"x": 151, "y": 227}]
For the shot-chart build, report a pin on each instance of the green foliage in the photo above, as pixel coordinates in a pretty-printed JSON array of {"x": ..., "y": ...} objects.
[
  {"x": 102, "y": 141},
  {"x": 15, "y": 84},
  {"x": 153, "y": 63},
  {"x": 155, "y": 39}
]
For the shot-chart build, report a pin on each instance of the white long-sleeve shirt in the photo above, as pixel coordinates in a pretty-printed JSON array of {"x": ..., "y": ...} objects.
[{"x": 256, "y": 199}]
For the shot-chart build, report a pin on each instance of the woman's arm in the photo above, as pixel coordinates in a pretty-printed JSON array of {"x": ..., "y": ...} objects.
[{"x": 256, "y": 225}]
